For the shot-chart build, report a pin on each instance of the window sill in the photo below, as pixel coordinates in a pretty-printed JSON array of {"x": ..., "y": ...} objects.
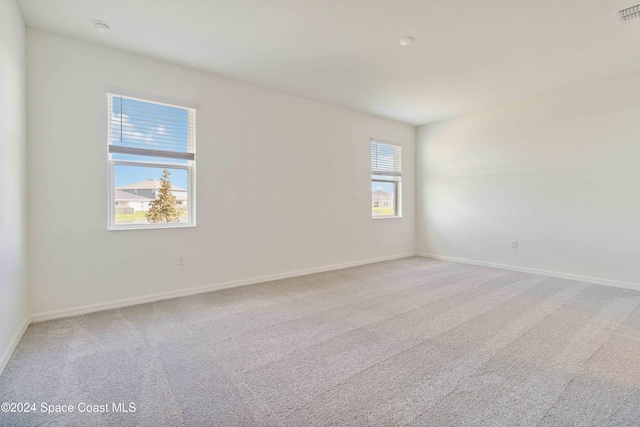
[
  {"x": 386, "y": 217},
  {"x": 149, "y": 227}
]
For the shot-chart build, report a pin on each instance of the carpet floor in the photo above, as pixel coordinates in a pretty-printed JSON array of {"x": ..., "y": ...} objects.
[{"x": 416, "y": 342}]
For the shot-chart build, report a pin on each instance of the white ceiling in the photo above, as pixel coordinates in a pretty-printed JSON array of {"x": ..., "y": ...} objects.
[{"x": 468, "y": 54}]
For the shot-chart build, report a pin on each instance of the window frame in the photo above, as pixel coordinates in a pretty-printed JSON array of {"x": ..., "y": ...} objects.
[
  {"x": 387, "y": 177},
  {"x": 190, "y": 167}
]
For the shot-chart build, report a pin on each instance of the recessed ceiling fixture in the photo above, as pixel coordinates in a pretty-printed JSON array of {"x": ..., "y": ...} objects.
[
  {"x": 101, "y": 26},
  {"x": 406, "y": 41},
  {"x": 629, "y": 13}
]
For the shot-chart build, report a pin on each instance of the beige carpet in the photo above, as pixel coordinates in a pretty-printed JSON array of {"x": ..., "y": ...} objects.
[{"x": 408, "y": 342}]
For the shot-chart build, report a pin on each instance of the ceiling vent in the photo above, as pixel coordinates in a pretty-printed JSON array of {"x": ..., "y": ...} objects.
[{"x": 629, "y": 13}]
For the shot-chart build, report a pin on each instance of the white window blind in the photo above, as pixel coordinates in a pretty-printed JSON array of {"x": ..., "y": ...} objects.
[
  {"x": 146, "y": 128},
  {"x": 386, "y": 159}
]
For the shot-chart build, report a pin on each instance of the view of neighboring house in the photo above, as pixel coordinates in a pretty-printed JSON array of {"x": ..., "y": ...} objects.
[
  {"x": 136, "y": 197},
  {"x": 128, "y": 203},
  {"x": 382, "y": 199}
]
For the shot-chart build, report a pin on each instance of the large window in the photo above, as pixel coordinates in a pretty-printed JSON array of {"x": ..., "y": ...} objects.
[
  {"x": 386, "y": 180},
  {"x": 151, "y": 164}
]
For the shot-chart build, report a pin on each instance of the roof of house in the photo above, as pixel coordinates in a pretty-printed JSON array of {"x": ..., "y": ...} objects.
[
  {"x": 149, "y": 184},
  {"x": 123, "y": 195},
  {"x": 381, "y": 193}
]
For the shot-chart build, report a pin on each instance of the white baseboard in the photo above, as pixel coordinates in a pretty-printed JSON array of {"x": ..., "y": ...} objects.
[
  {"x": 576, "y": 277},
  {"x": 13, "y": 344},
  {"x": 75, "y": 311}
]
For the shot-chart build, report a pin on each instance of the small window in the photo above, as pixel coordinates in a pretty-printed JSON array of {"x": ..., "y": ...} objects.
[
  {"x": 151, "y": 164},
  {"x": 386, "y": 180}
]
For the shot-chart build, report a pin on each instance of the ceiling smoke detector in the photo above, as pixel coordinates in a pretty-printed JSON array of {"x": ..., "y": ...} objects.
[
  {"x": 629, "y": 13},
  {"x": 101, "y": 27},
  {"x": 406, "y": 41}
]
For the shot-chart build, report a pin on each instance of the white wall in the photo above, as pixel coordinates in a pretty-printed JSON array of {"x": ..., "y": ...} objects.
[
  {"x": 13, "y": 178},
  {"x": 294, "y": 176},
  {"x": 560, "y": 174}
]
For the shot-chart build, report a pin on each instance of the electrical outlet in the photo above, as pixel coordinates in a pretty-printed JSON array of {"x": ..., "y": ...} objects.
[
  {"x": 181, "y": 260},
  {"x": 514, "y": 244}
]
